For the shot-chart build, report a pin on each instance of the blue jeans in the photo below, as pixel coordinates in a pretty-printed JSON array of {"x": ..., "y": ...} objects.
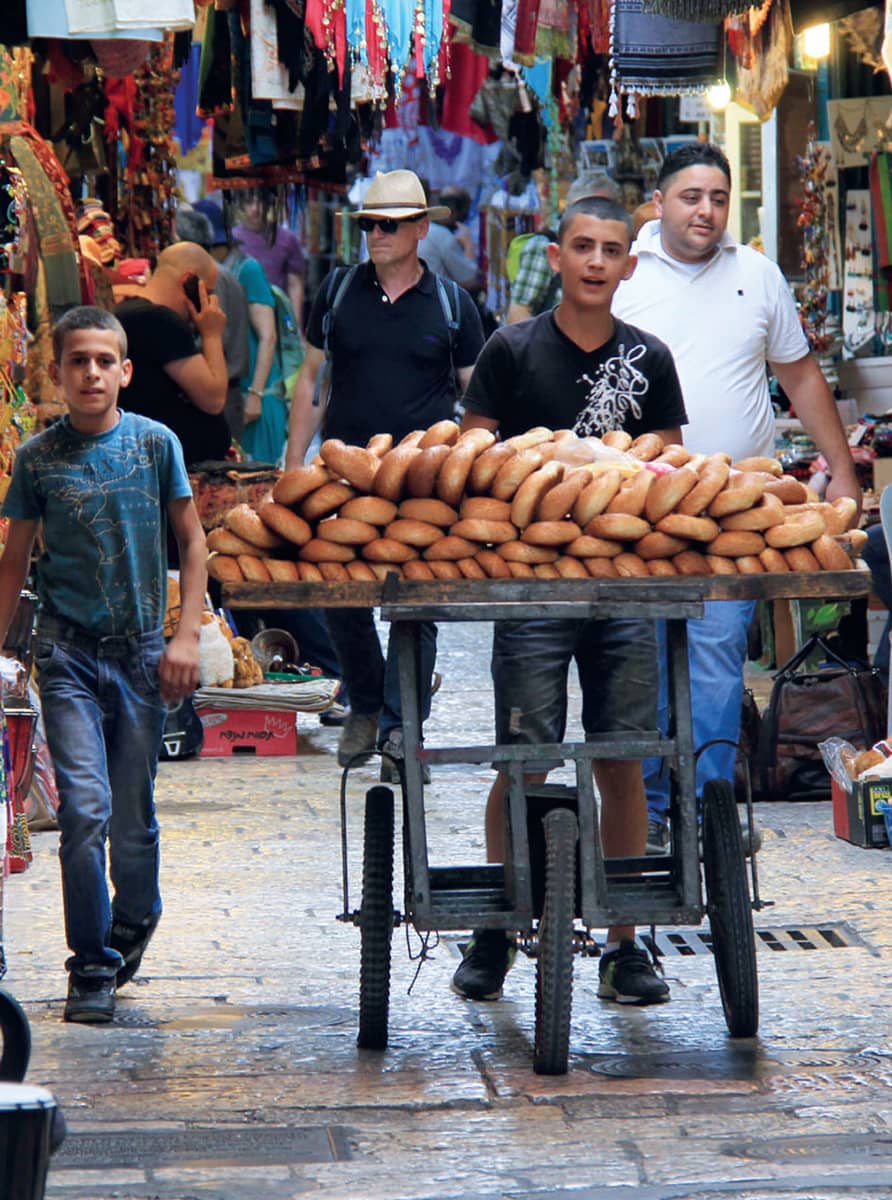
[
  {"x": 716, "y": 654},
  {"x": 373, "y": 682},
  {"x": 104, "y": 717}
]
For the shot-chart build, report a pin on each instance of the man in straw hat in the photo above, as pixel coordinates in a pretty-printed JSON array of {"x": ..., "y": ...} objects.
[{"x": 395, "y": 365}]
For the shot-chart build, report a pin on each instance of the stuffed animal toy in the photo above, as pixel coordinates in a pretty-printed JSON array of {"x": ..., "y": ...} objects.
[
  {"x": 216, "y": 664},
  {"x": 248, "y": 671}
]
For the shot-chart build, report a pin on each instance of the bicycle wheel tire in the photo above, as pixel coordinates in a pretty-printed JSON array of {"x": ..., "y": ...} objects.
[
  {"x": 554, "y": 967},
  {"x": 729, "y": 910},
  {"x": 376, "y": 919},
  {"x": 16, "y": 1040}
]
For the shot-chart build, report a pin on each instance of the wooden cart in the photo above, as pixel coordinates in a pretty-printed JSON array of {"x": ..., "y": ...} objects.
[{"x": 552, "y": 912}]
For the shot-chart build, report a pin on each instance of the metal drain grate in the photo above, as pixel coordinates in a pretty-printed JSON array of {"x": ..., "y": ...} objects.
[
  {"x": 836, "y": 935},
  {"x": 172, "y": 1148}
]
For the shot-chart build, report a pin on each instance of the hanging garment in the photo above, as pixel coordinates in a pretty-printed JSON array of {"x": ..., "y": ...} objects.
[
  {"x": 652, "y": 55},
  {"x": 710, "y": 11},
  {"x": 51, "y": 19},
  {"x": 216, "y": 71},
  {"x": 881, "y": 203},
  {"x": 14, "y": 23},
  {"x": 107, "y": 18},
  {"x": 556, "y": 29},
  {"x": 478, "y": 23},
  {"x": 269, "y": 78},
  {"x": 761, "y": 87}
]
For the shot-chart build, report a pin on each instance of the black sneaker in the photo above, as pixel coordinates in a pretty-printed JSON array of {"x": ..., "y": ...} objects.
[
  {"x": 488, "y": 958},
  {"x": 628, "y": 977},
  {"x": 91, "y": 999},
  {"x": 657, "y": 837},
  {"x": 130, "y": 941}
]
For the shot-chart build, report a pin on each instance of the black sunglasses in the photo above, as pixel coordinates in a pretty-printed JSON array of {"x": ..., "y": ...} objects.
[{"x": 387, "y": 224}]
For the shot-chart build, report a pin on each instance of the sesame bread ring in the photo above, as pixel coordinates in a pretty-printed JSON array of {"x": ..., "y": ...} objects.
[
  {"x": 713, "y": 477},
  {"x": 379, "y": 443},
  {"x": 479, "y": 437},
  {"x": 595, "y": 496},
  {"x": 800, "y": 558},
  {"x": 847, "y": 511},
  {"x": 493, "y": 564},
  {"x": 346, "y": 532},
  {"x": 354, "y": 464},
  {"x": 487, "y": 466},
  {"x": 523, "y": 552},
  {"x": 647, "y": 446},
  {"x": 759, "y": 462},
  {"x": 796, "y": 530},
  {"x": 383, "y": 571},
  {"x": 373, "y": 509},
  {"x": 632, "y": 495},
  {"x": 532, "y": 437},
  {"x": 593, "y": 547},
  {"x": 667, "y": 492},
  {"x": 773, "y": 561},
  {"x": 295, "y": 485},
  {"x": 558, "y": 502},
  {"x": 484, "y": 508},
  {"x": 224, "y": 541},
  {"x": 528, "y": 496},
  {"x": 412, "y": 532},
  {"x": 451, "y": 548},
  {"x": 691, "y": 562},
  {"x": 254, "y": 569},
  {"x": 413, "y": 438},
  {"x": 326, "y": 500},
  {"x": 471, "y": 568},
  {"x": 617, "y": 439},
  {"x": 421, "y": 478},
  {"x": 550, "y": 533},
  {"x": 490, "y": 532},
  {"x": 244, "y": 522},
  {"x": 617, "y": 527},
  {"x": 360, "y": 571},
  {"x": 675, "y": 456},
  {"x": 513, "y": 473},
  {"x": 661, "y": 567},
  {"x": 416, "y": 568},
  {"x": 830, "y": 554},
  {"x": 549, "y": 571},
  {"x": 788, "y": 490},
  {"x": 433, "y": 512},
  {"x": 282, "y": 570},
  {"x": 659, "y": 545},
  {"x": 857, "y": 540},
  {"x": 224, "y": 568},
  {"x": 318, "y": 550},
  {"x": 736, "y": 544},
  {"x": 309, "y": 572},
  {"x": 453, "y": 474},
  {"x": 521, "y": 570},
  {"x": 749, "y": 564},
  {"x": 601, "y": 568},
  {"x": 444, "y": 568},
  {"x": 287, "y": 524},
  {"x": 388, "y": 550},
  {"x": 333, "y": 572},
  {"x": 769, "y": 511},
  {"x": 390, "y": 482},
  {"x": 630, "y": 566},
  {"x": 441, "y": 433},
  {"x": 570, "y": 568}
]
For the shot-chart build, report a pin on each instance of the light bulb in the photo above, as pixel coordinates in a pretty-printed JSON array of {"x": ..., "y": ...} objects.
[
  {"x": 718, "y": 97},
  {"x": 816, "y": 41}
]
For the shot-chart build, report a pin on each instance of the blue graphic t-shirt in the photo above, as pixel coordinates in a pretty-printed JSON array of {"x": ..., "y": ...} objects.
[
  {"x": 532, "y": 374},
  {"x": 103, "y": 502}
]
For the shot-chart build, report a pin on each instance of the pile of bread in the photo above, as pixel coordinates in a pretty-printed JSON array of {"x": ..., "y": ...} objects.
[{"x": 448, "y": 505}]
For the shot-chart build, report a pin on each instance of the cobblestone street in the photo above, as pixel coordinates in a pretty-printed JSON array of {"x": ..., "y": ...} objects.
[{"x": 232, "y": 1069}]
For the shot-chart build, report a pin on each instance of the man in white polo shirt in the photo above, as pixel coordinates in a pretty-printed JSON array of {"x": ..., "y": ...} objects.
[{"x": 727, "y": 315}]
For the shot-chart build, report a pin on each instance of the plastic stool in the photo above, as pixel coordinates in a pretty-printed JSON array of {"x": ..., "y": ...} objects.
[{"x": 26, "y": 1124}]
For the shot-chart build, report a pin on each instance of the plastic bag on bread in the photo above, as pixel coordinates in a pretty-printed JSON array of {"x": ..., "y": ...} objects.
[{"x": 591, "y": 451}]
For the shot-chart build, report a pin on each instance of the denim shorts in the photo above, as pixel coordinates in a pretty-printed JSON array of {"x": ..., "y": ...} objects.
[{"x": 617, "y": 665}]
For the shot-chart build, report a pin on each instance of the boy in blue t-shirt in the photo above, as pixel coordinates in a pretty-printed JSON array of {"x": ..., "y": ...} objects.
[{"x": 104, "y": 484}]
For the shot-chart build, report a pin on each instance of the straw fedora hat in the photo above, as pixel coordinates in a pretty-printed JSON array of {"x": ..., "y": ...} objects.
[{"x": 398, "y": 194}]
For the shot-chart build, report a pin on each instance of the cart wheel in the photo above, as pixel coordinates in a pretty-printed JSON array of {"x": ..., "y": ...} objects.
[
  {"x": 554, "y": 968},
  {"x": 16, "y": 1040},
  {"x": 376, "y": 919},
  {"x": 728, "y": 907}
]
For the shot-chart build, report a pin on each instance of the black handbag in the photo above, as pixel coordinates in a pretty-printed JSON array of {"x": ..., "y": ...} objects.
[{"x": 808, "y": 706}]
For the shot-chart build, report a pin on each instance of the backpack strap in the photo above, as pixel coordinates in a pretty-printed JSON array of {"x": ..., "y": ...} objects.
[
  {"x": 338, "y": 283},
  {"x": 450, "y": 301}
]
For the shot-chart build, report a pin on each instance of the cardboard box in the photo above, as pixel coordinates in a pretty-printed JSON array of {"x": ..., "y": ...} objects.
[
  {"x": 882, "y": 473},
  {"x": 253, "y": 731},
  {"x": 855, "y": 815}
]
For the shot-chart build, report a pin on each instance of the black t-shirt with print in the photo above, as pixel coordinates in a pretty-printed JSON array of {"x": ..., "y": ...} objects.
[{"x": 532, "y": 374}]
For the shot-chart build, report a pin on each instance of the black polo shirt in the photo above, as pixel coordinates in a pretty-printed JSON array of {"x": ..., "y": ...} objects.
[{"x": 391, "y": 367}]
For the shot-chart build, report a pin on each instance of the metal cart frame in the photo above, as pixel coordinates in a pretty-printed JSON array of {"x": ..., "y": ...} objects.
[{"x": 661, "y": 889}]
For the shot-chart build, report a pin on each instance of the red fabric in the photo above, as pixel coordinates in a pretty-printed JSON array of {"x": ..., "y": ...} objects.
[
  {"x": 376, "y": 47},
  {"x": 525, "y": 31},
  {"x": 468, "y": 72},
  {"x": 327, "y": 22}
]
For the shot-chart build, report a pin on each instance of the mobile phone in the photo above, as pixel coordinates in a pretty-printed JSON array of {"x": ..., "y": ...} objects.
[{"x": 190, "y": 287}]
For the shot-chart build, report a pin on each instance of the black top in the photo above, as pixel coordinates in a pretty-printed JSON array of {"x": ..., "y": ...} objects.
[
  {"x": 157, "y": 336},
  {"x": 532, "y": 374},
  {"x": 391, "y": 368}
]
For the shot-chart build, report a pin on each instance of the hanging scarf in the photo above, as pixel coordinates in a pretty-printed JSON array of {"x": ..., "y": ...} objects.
[
  {"x": 710, "y": 11},
  {"x": 761, "y": 86},
  {"x": 653, "y": 55},
  {"x": 881, "y": 203}
]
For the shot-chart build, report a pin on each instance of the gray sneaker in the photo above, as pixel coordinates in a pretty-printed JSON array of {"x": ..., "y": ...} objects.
[
  {"x": 391, "y": 771},
  {"x": 358, "y": 737},
  {"x": 91, "y": 999}
]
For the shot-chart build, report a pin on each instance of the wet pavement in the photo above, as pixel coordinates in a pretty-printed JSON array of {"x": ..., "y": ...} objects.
[{"x": 232, "y": 1069}]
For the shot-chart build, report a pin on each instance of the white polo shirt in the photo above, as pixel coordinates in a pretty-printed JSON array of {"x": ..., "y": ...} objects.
[{"x": 724, "y": 321}]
